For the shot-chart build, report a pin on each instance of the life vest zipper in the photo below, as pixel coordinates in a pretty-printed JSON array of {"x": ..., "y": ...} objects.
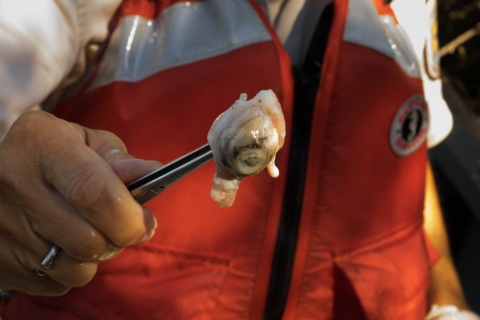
[
  {"x": 305, "y": 92},
  {"x": 307, "y": 81}
]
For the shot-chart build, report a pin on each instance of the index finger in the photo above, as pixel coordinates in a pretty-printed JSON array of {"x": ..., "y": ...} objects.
[{"x": 89, "y": 183}]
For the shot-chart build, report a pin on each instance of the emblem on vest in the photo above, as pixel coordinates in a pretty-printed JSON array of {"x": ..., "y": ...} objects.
[{"x": 410, "y": 126}]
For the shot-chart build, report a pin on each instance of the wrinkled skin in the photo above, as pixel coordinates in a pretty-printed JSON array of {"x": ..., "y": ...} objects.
[
  {"x": 244, "y": 140},
  {"x": 63, "y": 183}
]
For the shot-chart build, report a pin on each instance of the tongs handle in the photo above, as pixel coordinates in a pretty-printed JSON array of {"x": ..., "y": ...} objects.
[{"x": 153, "y": 183}]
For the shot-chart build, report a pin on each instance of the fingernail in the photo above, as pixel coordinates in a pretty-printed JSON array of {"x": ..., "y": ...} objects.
[
  {"x": 149, "y": 235},
  {"x": 152, "y": 224}
]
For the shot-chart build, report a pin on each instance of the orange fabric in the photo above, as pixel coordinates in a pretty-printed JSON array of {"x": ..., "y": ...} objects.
[
  {"x": 357, "y": 129},
  {"x": 351, "y": 131},
  {"x": 266, "y": 256},
  {"x": 186, "y": 285},
  {"x": 384, "y": 9},
  {"x": 361, "y": 252},
  {"x": 146, "y": 8},
  {"x": 403, "y": 274}
]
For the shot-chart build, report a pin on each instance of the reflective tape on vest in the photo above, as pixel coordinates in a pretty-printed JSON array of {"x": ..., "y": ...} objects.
[
  {"x": 364, "y": 27},
  {"x": 183, "y": 33}
]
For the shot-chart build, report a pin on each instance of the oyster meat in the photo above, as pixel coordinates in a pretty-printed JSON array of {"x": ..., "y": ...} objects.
[{"x": 244, "y": 140}]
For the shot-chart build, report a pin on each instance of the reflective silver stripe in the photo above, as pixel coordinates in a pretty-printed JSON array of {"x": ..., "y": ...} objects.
[
  {"x": 364, "y": 27},
  {"x": 184, "y": 33},
  {"x": 401, "y": 45}
]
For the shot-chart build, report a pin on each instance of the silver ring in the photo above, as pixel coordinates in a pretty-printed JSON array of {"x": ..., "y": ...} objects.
[{"x": 47, "y": 262}]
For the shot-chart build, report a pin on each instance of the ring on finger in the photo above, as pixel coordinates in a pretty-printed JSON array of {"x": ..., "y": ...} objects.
[{"x": 47, "y": 262}]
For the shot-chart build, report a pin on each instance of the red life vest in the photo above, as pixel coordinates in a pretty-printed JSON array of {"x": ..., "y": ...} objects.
[{"x": 171, "y": 67}]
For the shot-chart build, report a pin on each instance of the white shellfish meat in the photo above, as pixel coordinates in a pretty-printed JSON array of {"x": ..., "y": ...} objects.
[{"x": 244, "y": 140}]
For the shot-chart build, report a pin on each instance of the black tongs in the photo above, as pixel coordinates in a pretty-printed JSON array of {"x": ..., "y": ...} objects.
[{"x": 151, "y": 185}]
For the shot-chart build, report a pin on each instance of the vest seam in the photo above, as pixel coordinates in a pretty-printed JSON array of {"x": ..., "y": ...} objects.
[
  {"x": 212, "y": 296},
  {"x": 366, "y": 245},
  {"x": 276, "y": 43},
  {"x": 182, "y": 251},
  {"x": 325, "y": 101}
]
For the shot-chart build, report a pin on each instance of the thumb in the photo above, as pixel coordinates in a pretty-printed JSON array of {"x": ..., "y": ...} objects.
[
  {"x": 112, "y": 149},
  {"x": 127, "y": 167}
]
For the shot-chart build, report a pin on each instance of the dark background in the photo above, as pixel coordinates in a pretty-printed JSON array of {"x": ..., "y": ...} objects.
[
  {"x": 462, "y": 67},
  {"x": 456, "y": 161}
]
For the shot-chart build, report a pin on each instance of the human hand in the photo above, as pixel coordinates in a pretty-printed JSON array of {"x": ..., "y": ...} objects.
[
  {"x": 65, "y": 184},
  {"x": 450, "y": 313}
]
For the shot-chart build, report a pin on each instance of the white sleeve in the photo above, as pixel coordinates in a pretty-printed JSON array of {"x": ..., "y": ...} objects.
[
  {"x": 415, "y": 17},
  {"x": 40, "y": 42}
]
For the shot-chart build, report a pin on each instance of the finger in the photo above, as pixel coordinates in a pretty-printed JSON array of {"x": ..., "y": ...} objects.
[
  {"x": 112, "y": 149},
  {"x": 70, "y": 272},
  {"x": 89, "y": 183},
  {"x": 127, "y": 167},
  {"x": 60, "y": 222},
  {"x": 66, "y": 271},
  {"x": 32, "y": 284},
  {"x": 19, "y": 265}
]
